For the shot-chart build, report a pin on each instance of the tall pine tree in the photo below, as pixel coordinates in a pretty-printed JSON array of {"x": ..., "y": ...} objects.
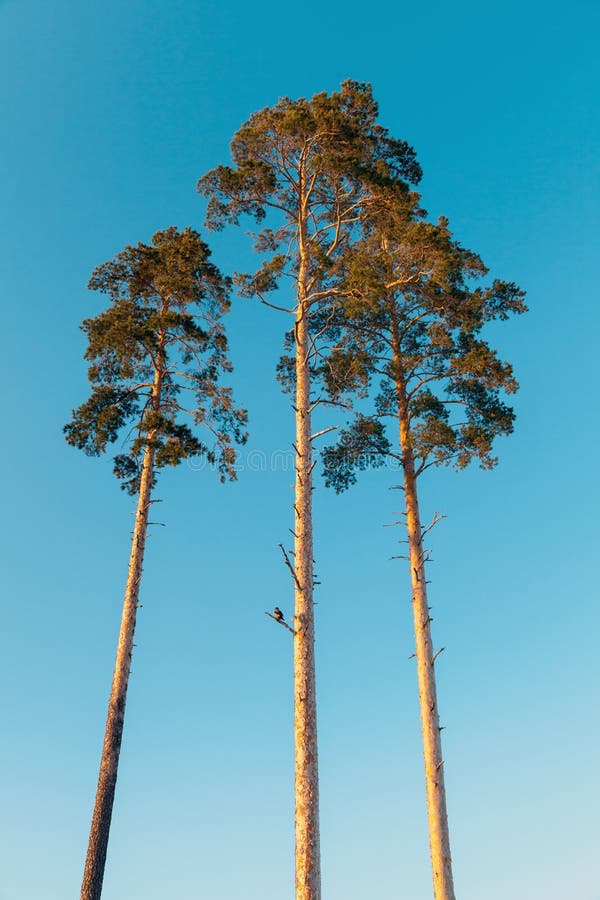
[
  {"x": 156, "y": 357},
  {"x": 407, "y": 336},
  {"x": 301, "y": 169}
]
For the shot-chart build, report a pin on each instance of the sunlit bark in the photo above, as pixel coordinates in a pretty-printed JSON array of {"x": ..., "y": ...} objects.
[
  {"x": 439, "y": 837},
  {"x": 308, "y": 864},
  {"x": 93, "y": 876}
]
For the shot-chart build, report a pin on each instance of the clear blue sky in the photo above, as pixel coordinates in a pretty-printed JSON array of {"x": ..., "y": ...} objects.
[{"x": 109, "y": 113}]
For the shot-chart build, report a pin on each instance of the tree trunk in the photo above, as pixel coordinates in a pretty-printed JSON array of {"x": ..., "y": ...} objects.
[
  {"x": 308, "y": 861},
  {"x": 91, "y": 888},
  {"x": 93, "y": 875},
  {"x": 439, "y": 837}
]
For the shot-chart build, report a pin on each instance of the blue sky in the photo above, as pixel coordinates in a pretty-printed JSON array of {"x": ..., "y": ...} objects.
[{"x": 110, "y": 113}]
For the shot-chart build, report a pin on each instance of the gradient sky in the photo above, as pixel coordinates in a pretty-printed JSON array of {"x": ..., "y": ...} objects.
[{"x": 109, "y": 113}]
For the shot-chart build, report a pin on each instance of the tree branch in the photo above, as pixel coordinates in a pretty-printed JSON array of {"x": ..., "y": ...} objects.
[
  {"x": 280, "y": 622},
  {"x": 290, "y": 566}
]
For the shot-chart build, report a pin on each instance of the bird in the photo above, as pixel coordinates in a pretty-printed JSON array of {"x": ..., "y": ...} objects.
[{"x": 277, "y": 614}]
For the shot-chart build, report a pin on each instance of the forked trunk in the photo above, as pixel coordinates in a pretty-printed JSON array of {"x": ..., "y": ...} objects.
[
  {"x": 308, "y": 862},
  {"x": 439, "y": 837},
  {"x": 93, "y": 875}
]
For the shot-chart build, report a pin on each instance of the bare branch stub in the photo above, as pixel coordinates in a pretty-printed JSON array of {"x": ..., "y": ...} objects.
[
  {"x": 322, "y": 432},
  {"x": 435, "y": 655}
]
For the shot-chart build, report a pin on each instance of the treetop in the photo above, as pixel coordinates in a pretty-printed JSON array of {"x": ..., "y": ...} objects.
[{"x": 156, "y": 357}]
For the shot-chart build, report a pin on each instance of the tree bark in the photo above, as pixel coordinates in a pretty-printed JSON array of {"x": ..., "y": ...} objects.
[
  {"x": 93, "y": 875},
  {"x": 308, "y": 861},
  {"x": 439, "y": 836}
]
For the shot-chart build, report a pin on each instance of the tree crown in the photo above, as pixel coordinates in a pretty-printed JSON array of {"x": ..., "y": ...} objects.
[
  {"x": 406, "y": 332},
  {"x": 307, "y": 163},
  {"x": 156, "y": 357}
]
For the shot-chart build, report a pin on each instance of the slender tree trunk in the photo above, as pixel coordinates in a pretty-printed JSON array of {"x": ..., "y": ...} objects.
[
  {"x": 439, "y": 837},
  {"x": 93, "y": 875},
  {"x": 308, "y": 860}
]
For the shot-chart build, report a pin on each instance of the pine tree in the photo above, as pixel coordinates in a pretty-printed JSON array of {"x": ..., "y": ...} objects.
[
  {"x": 407, "y": 335},
  {"x": 156, "y": 356},
  {"x": 300, "y": 170}
]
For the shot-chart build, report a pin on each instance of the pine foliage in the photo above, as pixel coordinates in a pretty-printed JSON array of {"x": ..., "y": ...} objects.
[
  {"x": 156, "y": 358},
  {"x": 407, "y": 333}
]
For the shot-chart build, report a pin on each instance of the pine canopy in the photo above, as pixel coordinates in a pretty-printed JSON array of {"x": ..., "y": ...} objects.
[
  {"x": 407, "y": 333},
  {"x": 156, "y": 357},
  {"x": 301, "y": 166}
]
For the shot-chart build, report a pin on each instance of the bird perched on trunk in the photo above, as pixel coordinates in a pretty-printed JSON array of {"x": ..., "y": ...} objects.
[{"x": 277, "y": 614}]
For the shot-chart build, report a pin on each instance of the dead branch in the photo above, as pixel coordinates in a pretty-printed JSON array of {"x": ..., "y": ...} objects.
[
  {"x": 321, "y": 400},
  {"x": 435, "y": 655},
  {"x": 273, "y": 306},
  {"x": 290, "y": 566},
  {"x": 323, "y": 431},
  {"x": 437, "y": 517},
  {"x": 280, "y": 622}
]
